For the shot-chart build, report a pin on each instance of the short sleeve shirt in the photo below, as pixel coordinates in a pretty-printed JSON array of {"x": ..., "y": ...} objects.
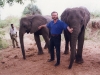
[
  {"x": 57, "y": 28},
  {"x": 13, "y": 31}
]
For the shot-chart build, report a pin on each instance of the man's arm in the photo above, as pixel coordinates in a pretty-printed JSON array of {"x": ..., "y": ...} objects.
[
  {"x": 65, "y": 25},
  {"x": 70, "y": 29},
  {"x": 41, "y": 26},
  {"x": 10, "y": 36},
  {"x": 10, "y": 33},
  {"x": 16, "y": 34},
  {"x": 16, "y": 31}
]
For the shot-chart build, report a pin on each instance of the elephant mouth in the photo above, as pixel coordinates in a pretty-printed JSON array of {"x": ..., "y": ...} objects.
[{"x": 27, "y": 31}]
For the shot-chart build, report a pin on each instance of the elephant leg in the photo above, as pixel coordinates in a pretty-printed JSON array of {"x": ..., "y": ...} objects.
[
  {"x": 66, "y": 47},
  {"x": 79, "y": 58},
  {"x": 46, "y": 38},
  {"x": 66, "y": 43},
  {"x": 45, "y": 47},
  {"x": 37, "y": 39}
]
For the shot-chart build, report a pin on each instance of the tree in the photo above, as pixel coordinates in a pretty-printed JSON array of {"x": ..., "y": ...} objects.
[
  {"x": 11, "y": 2},
  {"x": 31, "y": 9}
]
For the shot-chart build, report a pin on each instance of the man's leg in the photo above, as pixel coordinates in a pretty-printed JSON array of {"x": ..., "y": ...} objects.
[
  {"x": 51, "y": 49},
  {"x": 57, "y": 43},
  {"x": 16, "y": 42},
  {"x": 13, "y": 42}
]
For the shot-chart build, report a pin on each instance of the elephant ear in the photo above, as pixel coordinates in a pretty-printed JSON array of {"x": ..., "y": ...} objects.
[
  {"x": 65, "y": 14},
  {"x": 85, "y": 14},
  {"x": 37, "y": 21}
]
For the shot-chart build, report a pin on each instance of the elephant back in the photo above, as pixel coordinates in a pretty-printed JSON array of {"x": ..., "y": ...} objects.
[{"x": 37, "y": 21}]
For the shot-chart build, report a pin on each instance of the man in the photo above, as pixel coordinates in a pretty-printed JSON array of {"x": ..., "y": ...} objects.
[
  {"x": 13, "y": 35},
  {"x": 56, "y": 27}
]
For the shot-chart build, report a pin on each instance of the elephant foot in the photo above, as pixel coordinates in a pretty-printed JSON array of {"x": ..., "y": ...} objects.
[
  {"x": 70, "y": 66},
  {"x": 40, "y": 53},
  {"x": 45, "y": 47},
  {"x": 66, "y": 52},
  {"x": 79, "y": 60},
  {"x": 24, "y": 58}
]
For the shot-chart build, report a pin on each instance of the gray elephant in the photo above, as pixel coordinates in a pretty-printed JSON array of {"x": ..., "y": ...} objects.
[
  {"x": 30, "y": 25},
  {"x": 76, "y": 18}
]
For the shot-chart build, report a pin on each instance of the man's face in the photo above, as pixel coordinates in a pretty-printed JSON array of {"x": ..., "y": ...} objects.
[{"x": 54, "y": 16}]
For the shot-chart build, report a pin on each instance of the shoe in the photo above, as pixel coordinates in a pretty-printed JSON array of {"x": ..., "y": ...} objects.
[
  {"x": 50, "y": 60},
  {"x": 57, "y": 64}
]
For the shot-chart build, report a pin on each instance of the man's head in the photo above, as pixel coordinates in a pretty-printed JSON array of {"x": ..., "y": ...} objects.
[
  {"x": 54, "y": 15},
  {"x": 12, "y": 25}
]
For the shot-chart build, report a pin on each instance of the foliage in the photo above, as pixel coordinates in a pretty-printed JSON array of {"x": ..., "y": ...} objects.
[
  {"x": 3, "y": 42},
  {"x": 11, "y": 2},
  {"x": 31, "y": 9},
  {"x": 95, "y": 14},
  {"x": 3, "y": 23},
  {"x": 8, "y": 21}
]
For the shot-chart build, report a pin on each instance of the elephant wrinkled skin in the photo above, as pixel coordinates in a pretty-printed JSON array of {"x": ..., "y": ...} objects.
[{"x": 76, "y": 18}]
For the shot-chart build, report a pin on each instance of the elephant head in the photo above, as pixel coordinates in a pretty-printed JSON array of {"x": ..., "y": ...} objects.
[{"x": 29, "y": 25}]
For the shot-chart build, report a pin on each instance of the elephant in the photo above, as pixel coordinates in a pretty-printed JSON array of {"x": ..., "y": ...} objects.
[
  {"x": 77, "y": 18},
  {"x": 30, "y": 24}
]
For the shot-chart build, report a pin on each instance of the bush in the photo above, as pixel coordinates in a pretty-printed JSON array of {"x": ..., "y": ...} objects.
[
  {"x": 3, "y": 24},
  {"x": 8, "y": 21},
  {"x": 3, "y": 42},
  {"x": 95, "y": 14}
]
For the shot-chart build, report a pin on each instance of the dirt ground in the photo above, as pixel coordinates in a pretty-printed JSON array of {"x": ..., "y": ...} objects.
[{"x": 11, "y": 62}]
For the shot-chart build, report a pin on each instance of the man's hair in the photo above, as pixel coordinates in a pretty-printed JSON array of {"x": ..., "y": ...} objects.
[
  {"x": 11, "y": 24},
  {"x": 54, "y": 12}
]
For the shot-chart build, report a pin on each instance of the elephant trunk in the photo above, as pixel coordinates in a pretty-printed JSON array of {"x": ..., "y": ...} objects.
[
  {"x": 73, "y": 41},
  {"x": 22, "y": 44}
]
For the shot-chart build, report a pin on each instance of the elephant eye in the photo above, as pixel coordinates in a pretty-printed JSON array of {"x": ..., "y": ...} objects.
[{"x": 24, "y": 26}]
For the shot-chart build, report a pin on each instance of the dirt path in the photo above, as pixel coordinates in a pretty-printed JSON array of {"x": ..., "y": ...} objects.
[{"x": 11, "y": 62}]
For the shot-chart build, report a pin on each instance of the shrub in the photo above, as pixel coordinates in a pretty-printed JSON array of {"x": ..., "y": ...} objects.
[
  {"x": 8, "y": 21},
  {"x": 3, "y": 42},
  {"x": 95, "y": 14}
]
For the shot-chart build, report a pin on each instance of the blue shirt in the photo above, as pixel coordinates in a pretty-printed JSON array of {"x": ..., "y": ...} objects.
[{"x": 57, "y": 28}]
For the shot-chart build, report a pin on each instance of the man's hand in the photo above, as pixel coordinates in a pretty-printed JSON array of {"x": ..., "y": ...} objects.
[
  {"x": 70, "y": 29},
  {"x": 39, "y": 27},
  {"x": 16, "y": 34}
]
